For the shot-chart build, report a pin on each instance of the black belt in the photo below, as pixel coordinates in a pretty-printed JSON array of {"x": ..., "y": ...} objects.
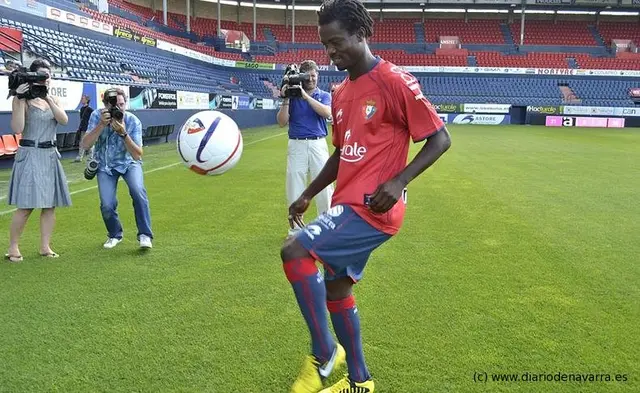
[
  {"x": 41, "y": 145},
  {"x": 311, "y": 138}
]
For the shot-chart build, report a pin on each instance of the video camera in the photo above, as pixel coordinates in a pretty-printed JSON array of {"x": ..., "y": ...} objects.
[
  {"x": 111, "y": 97},
  {"x": 21, "y": 76},
  {"x": 293, "y": 78}
]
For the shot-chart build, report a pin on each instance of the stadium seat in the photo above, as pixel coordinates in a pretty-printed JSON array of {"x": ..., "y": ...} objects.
[{"x": 9, "y": 142}]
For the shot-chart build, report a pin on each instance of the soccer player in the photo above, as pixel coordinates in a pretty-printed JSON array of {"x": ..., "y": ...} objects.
[{"x": 376, "y": 111}]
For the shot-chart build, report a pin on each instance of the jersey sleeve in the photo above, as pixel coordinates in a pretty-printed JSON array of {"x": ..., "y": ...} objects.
[{"x": 415, "y": 111}]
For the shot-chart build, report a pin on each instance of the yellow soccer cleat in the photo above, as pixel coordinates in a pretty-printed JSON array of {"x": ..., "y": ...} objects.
[
  {"x": 345, "y": 385},
  {"x": 313, "y": 373}
]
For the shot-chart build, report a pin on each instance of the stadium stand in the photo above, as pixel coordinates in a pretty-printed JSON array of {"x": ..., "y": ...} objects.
[
  {"x": 97, "y": 60},
  {"x": 477, "y": 35}
]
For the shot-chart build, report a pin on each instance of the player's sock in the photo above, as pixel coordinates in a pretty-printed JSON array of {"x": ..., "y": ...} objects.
[
  {"x": 346, "y": 323},
  {"x": 308, "y": 286}
]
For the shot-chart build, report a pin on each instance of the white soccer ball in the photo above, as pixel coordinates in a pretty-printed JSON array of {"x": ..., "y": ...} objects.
[{"x": 210, "y": 143}]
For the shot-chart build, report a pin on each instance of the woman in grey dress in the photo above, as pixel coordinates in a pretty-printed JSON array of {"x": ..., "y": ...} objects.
[{"x": 37, "y": 180}]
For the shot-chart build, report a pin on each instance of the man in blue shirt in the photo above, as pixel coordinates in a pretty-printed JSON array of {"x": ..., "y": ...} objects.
[
  {"x": 118, "y": 150},
  {"x": 307, "y": 150}
]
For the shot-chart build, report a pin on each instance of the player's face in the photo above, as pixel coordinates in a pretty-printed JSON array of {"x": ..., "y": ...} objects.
[{"x": 343, "y": 48}]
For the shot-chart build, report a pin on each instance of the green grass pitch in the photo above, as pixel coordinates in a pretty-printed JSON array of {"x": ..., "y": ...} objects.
[{"x": 520, "y": 253}]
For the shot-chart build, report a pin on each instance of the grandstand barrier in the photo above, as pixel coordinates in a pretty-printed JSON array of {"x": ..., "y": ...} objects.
[
  {"x": 70, "y": 94},
  {"x": 583, "y": 116},
  {"x": 570, "y": 121},
  {"x": 155, "y": 107},
  {"x": 479, "y": 114},
  {"x": 475, "y": 118},
  {"x": 159, "y": 117}
]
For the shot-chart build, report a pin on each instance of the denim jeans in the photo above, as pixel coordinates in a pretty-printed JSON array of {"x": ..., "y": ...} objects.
[{"x": 107, "y": 186}]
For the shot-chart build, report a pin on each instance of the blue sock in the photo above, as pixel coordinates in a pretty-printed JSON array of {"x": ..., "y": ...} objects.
[
  {"x": 308, "y": 286},
  {"x": 346, "y": 323}
]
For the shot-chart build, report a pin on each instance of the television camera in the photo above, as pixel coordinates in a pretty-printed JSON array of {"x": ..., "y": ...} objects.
[
  {"x": 293, "y": 79},
  {"x": 36, "y": 80}
]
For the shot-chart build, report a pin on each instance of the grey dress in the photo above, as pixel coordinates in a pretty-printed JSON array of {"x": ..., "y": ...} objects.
[{"x": 38, "y": 179}]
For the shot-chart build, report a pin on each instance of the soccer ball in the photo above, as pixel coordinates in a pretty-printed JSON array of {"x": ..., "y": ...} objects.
[{"x": 210, "y": 143}]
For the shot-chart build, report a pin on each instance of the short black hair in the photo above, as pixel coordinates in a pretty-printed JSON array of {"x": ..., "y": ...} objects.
[
  {"x": 352, "y": 14},
  {"x": 39, "y": 63}
]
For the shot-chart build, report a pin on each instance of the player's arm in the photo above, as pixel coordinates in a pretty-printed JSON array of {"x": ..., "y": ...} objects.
[
  {"x": 436, "y": 146},
  {"x": 329, "y": 172},
  {"x": 327, "y": 175},
  {"x": 417, "y": 114}
]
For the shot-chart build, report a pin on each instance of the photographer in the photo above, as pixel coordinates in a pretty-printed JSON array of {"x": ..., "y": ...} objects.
[
  {"x": 305, "y": 108},
  {"x": 37, "y": 179},
  {"x": 117, "y": 135}
]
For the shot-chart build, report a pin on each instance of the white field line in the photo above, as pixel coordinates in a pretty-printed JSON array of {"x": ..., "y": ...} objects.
[{"x": 5, "y": 212}]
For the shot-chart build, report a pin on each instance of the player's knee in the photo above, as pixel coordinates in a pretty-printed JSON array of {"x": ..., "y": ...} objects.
[
  {"x": 291, "y": 250},
  {"x": 339, "y": 289}
]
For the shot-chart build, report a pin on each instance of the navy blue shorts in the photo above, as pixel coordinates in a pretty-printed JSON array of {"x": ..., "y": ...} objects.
[{"x": 342, "y": 241}]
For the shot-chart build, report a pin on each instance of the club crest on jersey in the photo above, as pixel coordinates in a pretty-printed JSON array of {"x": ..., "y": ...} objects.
[{"x": 369, "y": 109}]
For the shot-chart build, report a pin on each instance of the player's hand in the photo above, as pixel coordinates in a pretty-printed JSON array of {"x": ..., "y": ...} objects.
[
  {"x": 386, "y": 196},
  {"x": 283, "y": 91},
  {"x": 105, "y": 117},
  {"x": 296, "y": 211}
]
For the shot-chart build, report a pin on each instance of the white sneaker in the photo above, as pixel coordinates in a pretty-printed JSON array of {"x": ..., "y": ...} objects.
[
  {"x": 111, "y": 242},
  {"x": 145, "y": 241}
]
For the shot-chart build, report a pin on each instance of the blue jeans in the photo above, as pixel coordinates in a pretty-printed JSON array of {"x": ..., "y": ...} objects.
[{"x": 107, "y": 186}]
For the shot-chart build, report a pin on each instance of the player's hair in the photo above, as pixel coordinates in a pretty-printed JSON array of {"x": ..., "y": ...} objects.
[{"x": 352, "y": 14}]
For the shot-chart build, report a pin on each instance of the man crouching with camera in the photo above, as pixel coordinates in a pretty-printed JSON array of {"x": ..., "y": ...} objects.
[
  {"x": 306, "y": 109},
  {"x": 117, "y": 136}
]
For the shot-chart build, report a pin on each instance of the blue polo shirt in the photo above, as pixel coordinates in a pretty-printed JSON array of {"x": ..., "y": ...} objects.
[{"x": 304, "y": 122}]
